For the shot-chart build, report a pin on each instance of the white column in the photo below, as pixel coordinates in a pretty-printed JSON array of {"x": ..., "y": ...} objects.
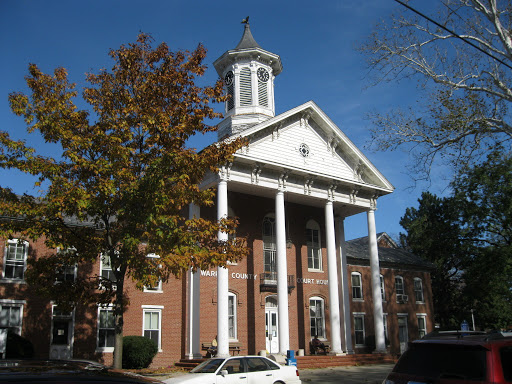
[
  {"x": 282, "y": 276},
  {"x": 380, "y": 343},
  {"x": 345, "y": 294},
  {"x": 194, "y": 295},
  {"x": 332, "y": 266},
  {"x": 222, "y": 278}
]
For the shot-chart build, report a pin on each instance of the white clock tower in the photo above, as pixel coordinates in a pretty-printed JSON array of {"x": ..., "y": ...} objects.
[{"x": 248, "y": 72}]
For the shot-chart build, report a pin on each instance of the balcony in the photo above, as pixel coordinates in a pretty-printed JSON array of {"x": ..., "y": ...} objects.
[{"x": 268, "y": 282}]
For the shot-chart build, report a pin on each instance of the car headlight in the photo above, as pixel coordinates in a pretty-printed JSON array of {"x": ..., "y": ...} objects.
[{"x": 387, "y": 381}]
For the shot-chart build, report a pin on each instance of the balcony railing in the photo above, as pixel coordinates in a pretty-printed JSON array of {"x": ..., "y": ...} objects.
[{"x": 268, "y": 282}]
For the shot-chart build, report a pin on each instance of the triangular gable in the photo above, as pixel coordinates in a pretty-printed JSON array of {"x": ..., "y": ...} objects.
[{"x": 277, "y": 142}]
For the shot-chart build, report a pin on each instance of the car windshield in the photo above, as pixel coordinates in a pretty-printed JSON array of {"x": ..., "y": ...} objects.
[
  {"x": 208, "y": 366},
  {"x": 436, "y": 361}
]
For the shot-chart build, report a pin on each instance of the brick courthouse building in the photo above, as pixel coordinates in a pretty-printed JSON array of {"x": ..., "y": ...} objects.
[{"x": 292, "y": 187}]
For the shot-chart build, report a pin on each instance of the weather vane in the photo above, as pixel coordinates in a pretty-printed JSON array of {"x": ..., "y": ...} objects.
[{"x": 246, "y": 20}]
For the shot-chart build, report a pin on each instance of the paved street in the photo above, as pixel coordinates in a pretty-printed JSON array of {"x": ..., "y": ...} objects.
[{"x": 365, "y": 374}]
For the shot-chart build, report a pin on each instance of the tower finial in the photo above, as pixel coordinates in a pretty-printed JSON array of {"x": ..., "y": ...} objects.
[{"x": 246, "y": 20}]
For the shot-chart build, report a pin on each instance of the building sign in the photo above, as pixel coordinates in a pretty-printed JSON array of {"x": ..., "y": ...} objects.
[{"x": 254, "y": 276}]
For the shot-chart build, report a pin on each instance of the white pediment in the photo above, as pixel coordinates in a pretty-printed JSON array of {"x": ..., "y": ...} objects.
[{"x": 305, "y": 141}]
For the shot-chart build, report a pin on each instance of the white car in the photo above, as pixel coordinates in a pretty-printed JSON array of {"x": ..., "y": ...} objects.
[{"x": 240, "y": 370}]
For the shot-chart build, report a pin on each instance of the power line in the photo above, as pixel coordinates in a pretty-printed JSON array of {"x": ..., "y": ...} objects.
[{"x": 453, "y": 33}]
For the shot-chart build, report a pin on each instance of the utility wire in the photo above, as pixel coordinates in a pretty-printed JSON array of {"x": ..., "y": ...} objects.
[{"x": 453, "y": 33}]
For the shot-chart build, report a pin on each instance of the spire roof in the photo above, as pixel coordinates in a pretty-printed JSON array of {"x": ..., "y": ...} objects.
[{"x": 247, "y": 40}]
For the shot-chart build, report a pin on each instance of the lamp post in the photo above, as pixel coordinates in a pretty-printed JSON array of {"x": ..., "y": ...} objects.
[{"x": 473, "y": 319}]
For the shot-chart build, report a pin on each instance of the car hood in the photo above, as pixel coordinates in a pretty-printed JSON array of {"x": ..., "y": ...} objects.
[{"x": 191, "y": 378}]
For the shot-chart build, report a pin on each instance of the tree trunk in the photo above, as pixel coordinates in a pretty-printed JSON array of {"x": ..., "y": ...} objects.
[{"x": 119, "y": 320}]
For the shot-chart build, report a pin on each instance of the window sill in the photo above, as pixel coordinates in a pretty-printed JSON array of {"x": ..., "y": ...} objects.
[
  {"x": 12, "y": 281},
  {"x": 152, "y": 291},
  {"x": 105, "y": 350},
  {"x": 420, "y": 302},
  {"x": 315, "y": 270},
  {"x": 361, "y": 300}
]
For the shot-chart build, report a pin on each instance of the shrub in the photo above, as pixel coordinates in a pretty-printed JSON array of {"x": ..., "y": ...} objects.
[
  {"x": 18, "y": 347},
  {"x": 138, "y": 352}
]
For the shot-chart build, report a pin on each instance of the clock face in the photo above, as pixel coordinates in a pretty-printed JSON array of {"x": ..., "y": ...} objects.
[
  {"x": 229, "y": 78},
  {"x": 263, "y": 74}
]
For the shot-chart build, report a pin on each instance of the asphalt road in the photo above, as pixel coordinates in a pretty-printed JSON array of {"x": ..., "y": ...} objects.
[{"x": 363, "y": 374}]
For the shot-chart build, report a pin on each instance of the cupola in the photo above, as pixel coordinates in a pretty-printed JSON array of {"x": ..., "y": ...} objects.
[{"x": 248, "y": 72}]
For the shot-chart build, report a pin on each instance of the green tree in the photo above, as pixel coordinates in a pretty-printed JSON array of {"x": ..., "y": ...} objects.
[
  {"x": 464, "y": 92},
  {"x": 123, "y": 175},
  {"x": 433, "y": 233},
  {"x": 468, "y": 237}
]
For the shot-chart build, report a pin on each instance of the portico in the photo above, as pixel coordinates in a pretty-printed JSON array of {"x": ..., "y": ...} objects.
[{"x": 299, "y": 157}]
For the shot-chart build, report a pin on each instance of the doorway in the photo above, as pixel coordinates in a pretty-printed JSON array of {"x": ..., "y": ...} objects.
[
  {"x": 61, "y": 346},
  {"x": 271, "y": 326}
]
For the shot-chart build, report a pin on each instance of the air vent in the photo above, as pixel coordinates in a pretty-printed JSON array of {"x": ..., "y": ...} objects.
[{"x": 245, "y": 87}]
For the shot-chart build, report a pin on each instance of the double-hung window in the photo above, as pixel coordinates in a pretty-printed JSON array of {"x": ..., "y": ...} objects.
[
  {"x": 15, "y": 260},
  {"x": 232, "y": 315},
  {"x": 157, "y": 287},
  {"x": 106, "y": 271},
  {"x": 106, "y": 329},
  {"x": 359, "y": 328},
  {"x": 422, "y": 324},
  {"x": 382, "y": 290},
  {"x": 357, "y": 286},
  {"x": 317, "y": 317},
  {"x": 11, "y": 315},
  {"x": 418, "y": 290},
  {"x": 152, "y": 327},
  {"x": 313, "y": 243}
]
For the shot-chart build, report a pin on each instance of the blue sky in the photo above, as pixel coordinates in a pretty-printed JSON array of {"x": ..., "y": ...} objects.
[{"x": 315, "y": 40}]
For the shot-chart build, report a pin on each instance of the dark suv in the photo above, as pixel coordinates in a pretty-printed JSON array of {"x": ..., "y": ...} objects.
[{"x": 455, "y": 358}]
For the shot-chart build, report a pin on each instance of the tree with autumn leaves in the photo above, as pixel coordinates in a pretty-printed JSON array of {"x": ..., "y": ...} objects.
[{"x": 119, "y": 188}]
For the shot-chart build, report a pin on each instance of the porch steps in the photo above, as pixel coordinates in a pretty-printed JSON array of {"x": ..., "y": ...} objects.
[
  {"x": 319, "y": 361},
  {"x": 325, "y": 361}
]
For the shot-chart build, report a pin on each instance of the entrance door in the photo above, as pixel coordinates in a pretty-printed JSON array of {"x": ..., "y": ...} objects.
[
  {"x": 61, "y": 346},
  {"x": 271, "y": 330},
  {"x": 403, "y": 336}
]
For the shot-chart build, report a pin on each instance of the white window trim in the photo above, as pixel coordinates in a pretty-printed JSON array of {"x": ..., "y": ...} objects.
[
  {"x": 386, "y": 330},
  {"x": 235, "y": 315},
  {"x": 360, "y": 286},
  {"x": 354, "y": 315},
  {"x": 114, "y": 284},
  {"x": 324, "y": 336},
  {"x": 424, "y": 316},
  {"x": 383, "y": 288},
  {"x": 422, "y": 291},
  {"x": 15, "y": 303},
  {"x": 102, "y": 349},
  {"x": 313, "y": 225},
  {"x": 157, "y": 309},
  {"x": 25, "y": 256},
  {"x": 159, "y": 287},
  {"x": 403, "y": 287}
]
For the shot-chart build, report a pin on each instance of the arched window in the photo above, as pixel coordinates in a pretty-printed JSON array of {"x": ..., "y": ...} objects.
[
  {"x": 418, "y": 290},
  {"x": 317, "y": 317},
  {"x": 357, "y": 286},
  {"x": 232, "y": 315},
  {"x": 401, "y": 297},
  {"x": 245, "y": 87},
  {"x": 269, "y": 246},
  {"x": 314, "y": 248}
]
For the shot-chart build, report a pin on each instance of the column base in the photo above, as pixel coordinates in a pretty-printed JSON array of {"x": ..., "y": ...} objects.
[
  {"x": 336, "y": 353},
  {"x": 194, "y": 356},
  {"x": 382, "y": 351},
  {"x": 350, "y": 352}
]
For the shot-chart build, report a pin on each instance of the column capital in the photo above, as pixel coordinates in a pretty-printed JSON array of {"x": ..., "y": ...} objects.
[
  {"x": 281, "y": 181},
  {"x": 224, "y": 171}
]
